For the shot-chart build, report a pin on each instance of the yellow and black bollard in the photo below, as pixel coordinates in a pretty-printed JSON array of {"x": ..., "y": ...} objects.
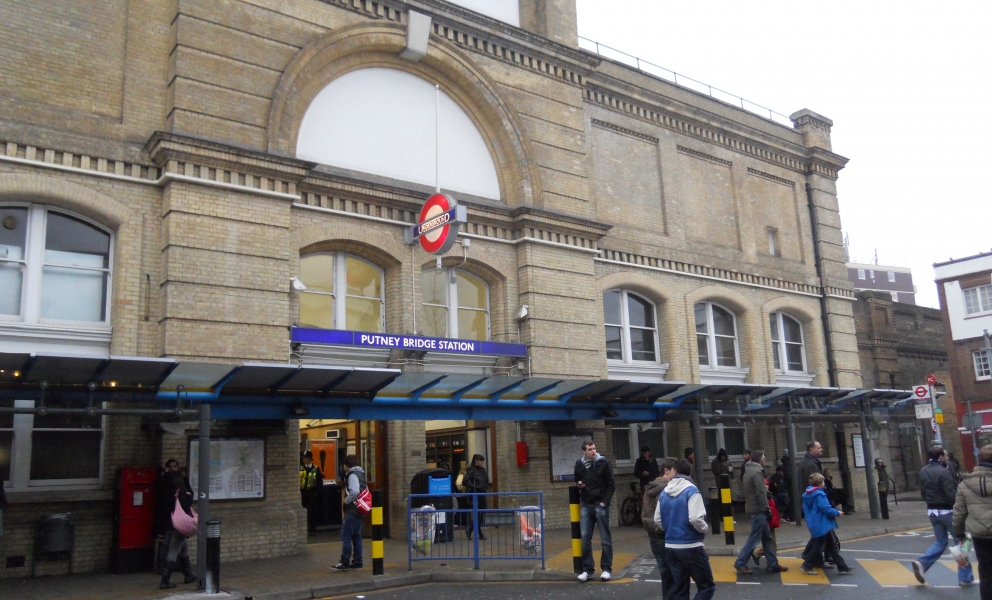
[
  {"x": 377, "y": 549},
  {"x": 573, "y": 511},
  {"x": 728, "y": 509}
]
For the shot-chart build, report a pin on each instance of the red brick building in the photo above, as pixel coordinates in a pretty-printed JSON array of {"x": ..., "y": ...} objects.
[{"x": 964, "y": 287}]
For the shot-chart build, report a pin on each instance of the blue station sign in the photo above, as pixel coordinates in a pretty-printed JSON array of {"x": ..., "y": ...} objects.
[{"x": 339, "y": 337}]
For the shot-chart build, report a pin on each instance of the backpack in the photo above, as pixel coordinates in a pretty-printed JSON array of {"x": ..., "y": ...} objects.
[{"x": 648, "y": 506}]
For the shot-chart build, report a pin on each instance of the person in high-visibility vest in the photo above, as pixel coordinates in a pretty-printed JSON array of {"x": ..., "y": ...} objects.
[{"x": 311, "y": 482}]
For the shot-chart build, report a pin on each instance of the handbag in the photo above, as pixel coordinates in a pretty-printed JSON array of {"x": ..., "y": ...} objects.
[
  {"x": 775, "y": 521},
  {"x": 182, "y": 522},
  {"x": 364, "y": 502}
]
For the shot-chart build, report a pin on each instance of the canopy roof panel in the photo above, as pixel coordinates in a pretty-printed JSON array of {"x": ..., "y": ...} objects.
[{"x": 254, "y": 390}]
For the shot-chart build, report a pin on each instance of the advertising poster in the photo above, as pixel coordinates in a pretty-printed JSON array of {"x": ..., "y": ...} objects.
[{"x": 565, "y": 450}]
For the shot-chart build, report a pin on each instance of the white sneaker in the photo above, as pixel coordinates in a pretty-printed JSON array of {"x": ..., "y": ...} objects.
[
  {"x": 583, "y": 576},
  {"x": 605, "y": 576}
]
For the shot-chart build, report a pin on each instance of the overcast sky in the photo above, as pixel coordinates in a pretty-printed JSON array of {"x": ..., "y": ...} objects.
[{"x": 908, "y": 86}]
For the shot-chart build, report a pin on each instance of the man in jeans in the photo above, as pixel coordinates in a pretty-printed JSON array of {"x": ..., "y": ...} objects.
[
  {"x": 351, "y": 529},
  {"x": 656, "y": 535},
  {"x": 594, "y": 478},
  {"x": 682, "y": 514},
  {"x": 938, "y": 489},
  {"x": 758, "y": 511}
]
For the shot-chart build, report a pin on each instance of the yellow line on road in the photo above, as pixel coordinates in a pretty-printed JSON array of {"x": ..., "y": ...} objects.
[
  {"x": 563, "y": 560},
  {"x": 889, "y": 572},
  {"x": 723, "y": 569},
  {"x": 794, "y": 575}
]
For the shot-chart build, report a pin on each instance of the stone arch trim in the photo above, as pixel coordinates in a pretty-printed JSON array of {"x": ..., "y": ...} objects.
[
  {"x": 127, "y": 226},
  {"x": 371, "y": 45},
  {"x": 366, "y": 242},
  {"x": 732, "y": 299},
  {"x": 791, "y": 306},
  {"x": 644, "y": 285}
]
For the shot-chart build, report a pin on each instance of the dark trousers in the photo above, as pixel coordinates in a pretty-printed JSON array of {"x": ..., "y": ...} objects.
[
  {"x": 658, "y": 550},
  {"x": 686, "y": 563},
  {"x": 482, "y": 503},
  {"x": 822, "y": 547},
  {"x": 351, "y": 536},
  {"x": 983, "y": 550}
]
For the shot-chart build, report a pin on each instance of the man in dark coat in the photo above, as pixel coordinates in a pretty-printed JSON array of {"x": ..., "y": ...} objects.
[
  {"x": 173, "y": 550},
  {"x": 594, "y": 478},
  {"x": 656, "y": 535},
  {"x": 645, "y": 467},
  {"x": 939, "y": 490},
  {"x": 810, "y": 463},
  {"x": 476, "y": 481}
]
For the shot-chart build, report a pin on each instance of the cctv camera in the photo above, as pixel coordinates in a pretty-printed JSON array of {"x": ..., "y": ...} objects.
[
  {"x": 296, "y": 284},
  {"x": 522, "y": 312}
]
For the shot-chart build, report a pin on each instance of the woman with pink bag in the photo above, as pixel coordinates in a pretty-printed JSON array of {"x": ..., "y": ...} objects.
[{"x": 175, "y": 518}]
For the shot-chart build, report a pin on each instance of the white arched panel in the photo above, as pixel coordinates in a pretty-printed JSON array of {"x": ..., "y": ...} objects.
[{"x": 382, "y": 121}]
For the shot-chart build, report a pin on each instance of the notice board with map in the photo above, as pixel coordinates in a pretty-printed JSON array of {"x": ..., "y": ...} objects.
[
  {"x": 565, "y": 450},
  {"x": 237, "y": 468}
]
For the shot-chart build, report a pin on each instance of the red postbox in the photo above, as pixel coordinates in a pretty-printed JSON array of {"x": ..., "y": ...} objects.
[{"x": 134, "y": 544}]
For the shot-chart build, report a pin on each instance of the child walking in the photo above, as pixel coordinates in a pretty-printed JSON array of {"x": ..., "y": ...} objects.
[{"x": 821, "y": 523}]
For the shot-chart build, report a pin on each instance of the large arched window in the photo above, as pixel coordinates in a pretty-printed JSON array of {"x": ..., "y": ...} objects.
[
  {"x": 631, "y": 329},
  {"x": 382, "y": 121},
  {"x": 343, "y": 292},
  {"x": 455, "y": 305},
  {"x": 716, "y": 336},
  {"x": 54, "y": 266},
  {"x": 787, "y": 344}
]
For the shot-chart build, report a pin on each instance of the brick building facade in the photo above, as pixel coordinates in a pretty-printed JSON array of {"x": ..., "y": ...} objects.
[
  {"x": 964, "y": 289},
  {"x": 171, "y": 129}
]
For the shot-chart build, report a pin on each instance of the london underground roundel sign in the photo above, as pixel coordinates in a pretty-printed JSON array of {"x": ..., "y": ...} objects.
[{"x": 438, "y": 224}]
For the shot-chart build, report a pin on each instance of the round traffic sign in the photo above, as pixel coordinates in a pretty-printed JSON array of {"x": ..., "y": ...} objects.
[
  {"x": 972, "y": 421},
  {"x": 920, "y": 391},
  {"x": 931, "y": 379},
  {"x": 438, "y": 239}
]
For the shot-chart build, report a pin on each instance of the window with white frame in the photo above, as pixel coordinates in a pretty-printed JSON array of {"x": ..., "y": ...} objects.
[
  {"x": 55, "y": 267},
  {"x": 982, "y": 370},
  {"x": 333, "y": 276},
  {"x": 628, "y": 438},
  {"x": 50, "y": 451},
  {"x": 861, "y": 273},
  {"x": 787, "y": 343},
  {"x": 731, "y": 439},
  {"x": 892, "y": 277},
  {"x": 716, "y": 336},
  {"x": 455, "y": 304},
  {"x": 978, "y": 299},
  {"x": 631, "y": 329},
  {"x": 871, "y": 274}
]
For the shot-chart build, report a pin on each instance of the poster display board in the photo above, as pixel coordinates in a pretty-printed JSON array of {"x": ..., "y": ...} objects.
[
  {"x": 325, "y": 456},
  {"x": 237, "y": 468},
  {"x": 859, "y": 450},
  {"x": 564, "y": 451}
]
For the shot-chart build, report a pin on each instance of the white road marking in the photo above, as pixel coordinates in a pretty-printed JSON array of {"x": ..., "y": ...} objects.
[
  {"x": 749, "y": 583},
  {"x": 651, "y": 580},
  {"x": 844, "y": 584},
  {"x": 795, "y": 584}
]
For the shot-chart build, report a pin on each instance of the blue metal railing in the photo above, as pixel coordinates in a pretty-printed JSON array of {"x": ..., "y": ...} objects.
[
  {"x": 687, "y": 82},
  {"x": 467, "y": 527}
]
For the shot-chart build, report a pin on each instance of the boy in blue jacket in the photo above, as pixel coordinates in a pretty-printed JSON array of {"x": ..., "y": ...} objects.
[{"x": 820, "y": 521}]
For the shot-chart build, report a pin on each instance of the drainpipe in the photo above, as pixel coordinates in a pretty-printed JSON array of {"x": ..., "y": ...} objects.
[{"x": 818, "y": 261}]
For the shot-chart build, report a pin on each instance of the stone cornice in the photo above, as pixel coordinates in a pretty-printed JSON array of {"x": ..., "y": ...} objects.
[{"x": 164, "y": 146}]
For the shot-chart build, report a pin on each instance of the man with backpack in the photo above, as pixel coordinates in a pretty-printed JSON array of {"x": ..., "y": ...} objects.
[
  {"x": 356, "y": 506},
  {"x": 656, "y": 535}
]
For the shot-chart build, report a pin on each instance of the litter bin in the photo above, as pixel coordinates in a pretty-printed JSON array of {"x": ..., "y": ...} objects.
[
  {"x": 437, "y": 483},
  {"x": 54, "y": 539}
]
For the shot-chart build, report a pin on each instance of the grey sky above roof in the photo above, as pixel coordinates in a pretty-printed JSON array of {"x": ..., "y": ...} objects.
[{"x": 905, "y": 84}]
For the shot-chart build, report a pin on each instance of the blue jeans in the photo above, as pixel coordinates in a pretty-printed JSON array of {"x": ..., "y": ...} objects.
[
  {"x": 688, "y": 563},
  {"x": 351, "y": 534},
  {"x": 760, "y": 534},
  {"x": 599, "y": 516},
  {"x": 941, "y": 528},
  {"x": 658, "y": 550}
]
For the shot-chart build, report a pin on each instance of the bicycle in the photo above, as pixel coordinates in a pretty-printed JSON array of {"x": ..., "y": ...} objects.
[{"x": 630, "y": 509}]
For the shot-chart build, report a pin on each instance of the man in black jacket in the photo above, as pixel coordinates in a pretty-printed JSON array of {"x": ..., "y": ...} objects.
[
  {"x": 810, "y": 463},
  {"x": 594, "y": 478},
  {"x": 645, "y": 467},
  {"x": 938, "y": 488}
]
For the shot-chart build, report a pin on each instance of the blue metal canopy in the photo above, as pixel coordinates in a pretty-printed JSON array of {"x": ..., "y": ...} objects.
[{"x": 255, "y": 390}]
